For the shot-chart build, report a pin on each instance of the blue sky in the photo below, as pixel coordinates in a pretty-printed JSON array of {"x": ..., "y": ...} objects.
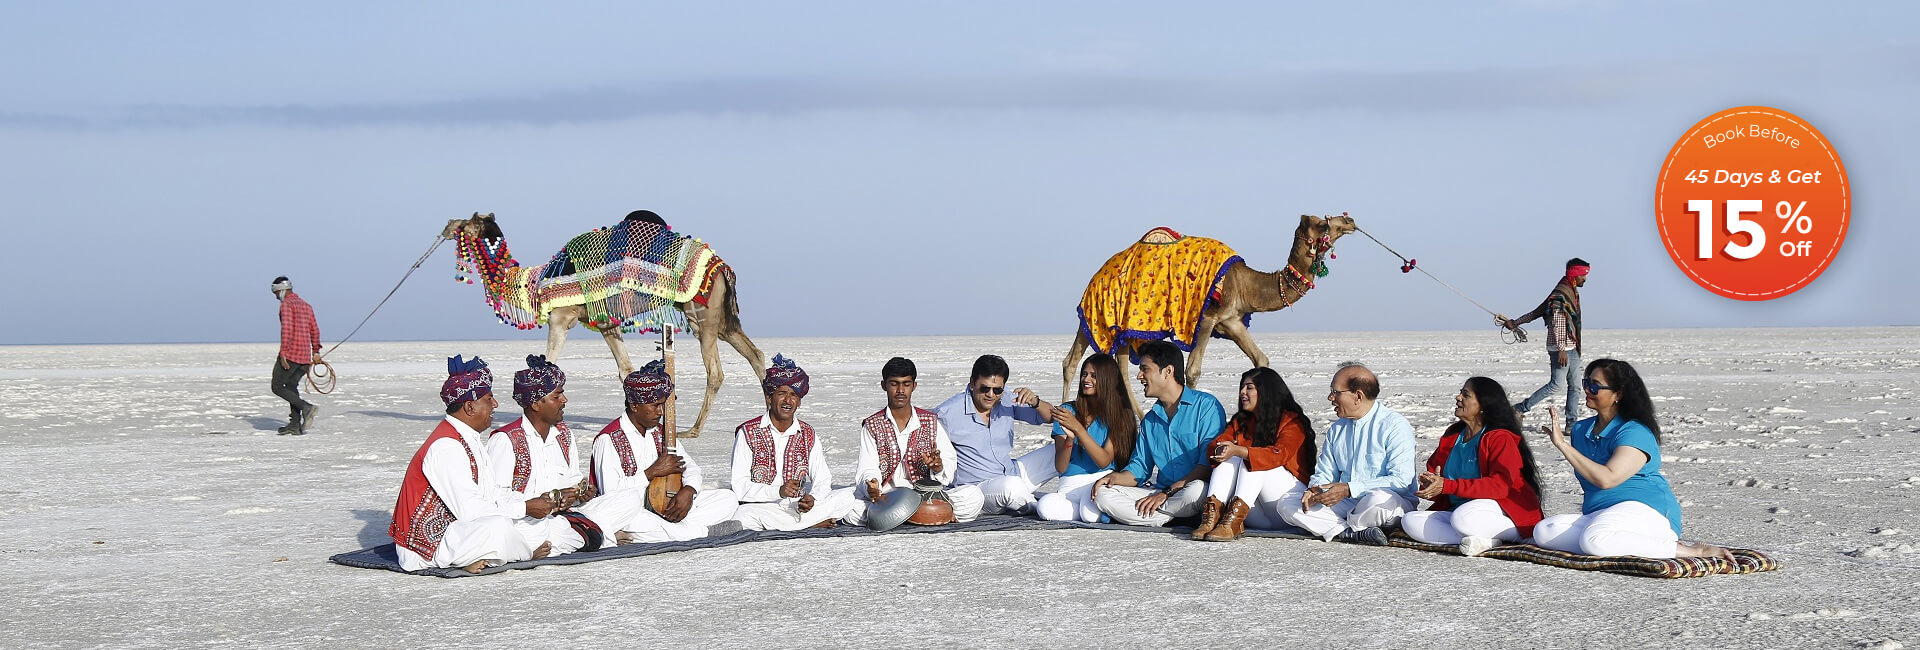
[{"x": 909, "y": 168}]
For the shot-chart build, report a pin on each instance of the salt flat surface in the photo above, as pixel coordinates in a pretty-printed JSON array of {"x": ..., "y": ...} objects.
[{"x": 149, "y": 504}]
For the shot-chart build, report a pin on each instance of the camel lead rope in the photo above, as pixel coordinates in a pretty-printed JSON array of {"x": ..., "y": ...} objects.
[
  {"x": 320, "y": 375},
  {"x": 1409, "y": 265}
]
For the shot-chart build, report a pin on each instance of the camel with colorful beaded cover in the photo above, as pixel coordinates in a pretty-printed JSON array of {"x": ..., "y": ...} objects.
[
  {"x": 638, "y": 275},
  {"x": 1192, "y": 289}
]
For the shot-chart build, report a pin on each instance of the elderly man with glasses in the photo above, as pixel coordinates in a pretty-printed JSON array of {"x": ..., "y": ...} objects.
[
  {"x": 980, "y": 422},
  {"x": 1363, "y": 478}
]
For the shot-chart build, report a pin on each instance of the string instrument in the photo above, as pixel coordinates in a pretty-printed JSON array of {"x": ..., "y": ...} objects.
[{"x": 661, "y": 490}]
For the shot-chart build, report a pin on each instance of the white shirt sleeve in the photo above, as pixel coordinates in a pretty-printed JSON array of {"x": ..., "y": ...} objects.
[
  {"x": 691, "y": 475},
  {"x": 606, "y": 467},
  {"x": 571, "y": 473},
  {"x": 451, "y": 475},
  {"x": 868, "y": 466},
  {"x": 947, "y": 460},
  {"x": 740, "y": 464},
  {"x": 817, "y": 468}
]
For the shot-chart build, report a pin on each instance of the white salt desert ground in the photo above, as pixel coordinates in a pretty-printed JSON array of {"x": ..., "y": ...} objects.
[{"x": 148, "y": 503}]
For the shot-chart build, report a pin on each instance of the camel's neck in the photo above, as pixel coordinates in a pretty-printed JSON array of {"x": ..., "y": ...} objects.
[
  {"x": 1288, "y": 284},
  {"x": 489, "y": 260}
]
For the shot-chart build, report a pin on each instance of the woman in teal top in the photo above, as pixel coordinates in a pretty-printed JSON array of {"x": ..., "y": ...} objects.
[
  {"x": 1092, "y": 435},
  {"x": 1628, "y": 509}
]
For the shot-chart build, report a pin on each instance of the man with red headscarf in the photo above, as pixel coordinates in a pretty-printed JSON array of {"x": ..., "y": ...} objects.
[
  {"x": 1562, "y": 310},
  {"x": 448, "y": 515}
]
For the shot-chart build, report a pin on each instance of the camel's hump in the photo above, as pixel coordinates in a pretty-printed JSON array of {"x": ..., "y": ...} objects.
[{"x": 1161, "y": 235}]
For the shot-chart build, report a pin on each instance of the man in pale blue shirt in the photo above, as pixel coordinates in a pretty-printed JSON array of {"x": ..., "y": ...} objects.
[
  {"x": 980, "y": 422},
  {"x": 1363, "y": 478},
  {"x": 1163, "y": 479}
]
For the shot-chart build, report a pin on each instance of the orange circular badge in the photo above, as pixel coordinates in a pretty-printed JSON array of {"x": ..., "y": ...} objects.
[{"x": 1752, "y": 203}]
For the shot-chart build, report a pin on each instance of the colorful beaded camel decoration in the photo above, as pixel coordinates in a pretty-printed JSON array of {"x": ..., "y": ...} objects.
[{"x": 636, "y": 276}]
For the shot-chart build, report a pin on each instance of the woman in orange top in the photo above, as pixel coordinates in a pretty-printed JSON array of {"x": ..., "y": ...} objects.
[{"x": 1260, "y": 461}]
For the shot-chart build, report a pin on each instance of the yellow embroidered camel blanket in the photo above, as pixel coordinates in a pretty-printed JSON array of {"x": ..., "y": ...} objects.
[{"x": 1155, "y": 289}]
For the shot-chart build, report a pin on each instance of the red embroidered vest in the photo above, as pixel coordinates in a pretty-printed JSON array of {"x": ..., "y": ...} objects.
[
  {"x": 516, "y": 433},
  {"x": 623, "y": 446},
  {"x": 885, "y": 439},
  {"x": 420, "y": 517},
  {"x": 760, "y": 443}
]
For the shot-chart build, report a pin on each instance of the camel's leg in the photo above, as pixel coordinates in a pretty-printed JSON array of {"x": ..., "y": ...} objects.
[
  {"x": 746, "y": 348},
  {"x": 618, "y": 346},
  {"x": 1241, "y": 336},
  {"x": 558, "y": 322},
  {"x": 710, "y": 357},
  {"x": 1070, "y": 366},
  {"x": 1201, "y": 336}
]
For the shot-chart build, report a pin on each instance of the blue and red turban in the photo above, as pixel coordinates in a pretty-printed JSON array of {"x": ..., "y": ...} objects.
[
  {"x": 467, "y": 380},
  {"x": 539, "y": 380},
  {"x": 785, "y": 373},
  {"x": 650, "y": 384}
]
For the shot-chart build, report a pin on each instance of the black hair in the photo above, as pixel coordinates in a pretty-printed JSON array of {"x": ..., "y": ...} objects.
[
  {"x": 899, "y": 367},
  {"x": 279, "y": 280},
  {"x": 1636, "y": 404},
  {"x": 1273, "y": 400},
  {"x": 1165, "y": 355},
  {"x": 1496, "y": 412},
  {"x": 455, "y": 407},
  {"x": 1577, "y": 262},
  {"x": 989, "y": 365}
]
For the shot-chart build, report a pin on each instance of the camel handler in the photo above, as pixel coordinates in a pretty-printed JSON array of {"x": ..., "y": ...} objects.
[
  {"x": 632, "y": 451},
  {"x": 1562, "y": 310},
  {"x": 299, "y": 342}
]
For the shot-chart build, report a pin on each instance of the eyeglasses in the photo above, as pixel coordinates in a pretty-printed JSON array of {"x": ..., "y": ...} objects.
[
  {"x": 1338, "y": 391},
  {"x": 1594, "y": 387},
  {"x": 991, "y": 390}
]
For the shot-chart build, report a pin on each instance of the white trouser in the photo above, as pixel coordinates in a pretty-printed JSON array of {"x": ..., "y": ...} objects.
[
  {"x": 965, "y": 500},
  {"x": 709, "y": 507},
  {"x": 609, "y": 511},
  {"x": 471, "y": 540},
  {"x": 1266, "y": 492},
  {"x": 1073, "y": 499},
  {"x": 785, "y": 514},
  {"x": 1118, "y": 502},
  {"x": 1630, "y": 528},
  {"x": 1476, "y": 518},
  {"x": 1370, "y": 509},
  {"x": 1013, "y": 492}
]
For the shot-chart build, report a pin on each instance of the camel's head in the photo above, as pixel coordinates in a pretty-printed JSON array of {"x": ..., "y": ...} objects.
[
  {"x": 1332, "y": 227},
  {"x": 480, "y": 225}
]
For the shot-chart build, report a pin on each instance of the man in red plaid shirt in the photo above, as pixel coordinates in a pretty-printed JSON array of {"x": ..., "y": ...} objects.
[{"x": 299, "y": 343}]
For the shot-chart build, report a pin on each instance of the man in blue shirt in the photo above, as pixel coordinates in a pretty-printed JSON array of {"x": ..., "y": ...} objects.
[
  {"x": 1363, "y": 478},
  {"x": 1169, "y": 447},
  {"x": 980, "y": 423}
]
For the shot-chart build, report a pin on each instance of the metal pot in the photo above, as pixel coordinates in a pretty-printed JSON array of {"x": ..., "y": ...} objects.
[{"x": 893, "y": 509}]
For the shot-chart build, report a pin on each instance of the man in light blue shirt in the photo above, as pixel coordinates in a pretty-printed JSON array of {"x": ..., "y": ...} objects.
[
  {"x": 1363, "y": 478},
  {"x": 1163, "y": 480},
  {"x": 980, "y": 423}
]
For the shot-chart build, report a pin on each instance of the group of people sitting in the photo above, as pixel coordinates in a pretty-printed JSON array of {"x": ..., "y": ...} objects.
[{"x": 472, "y": 500}]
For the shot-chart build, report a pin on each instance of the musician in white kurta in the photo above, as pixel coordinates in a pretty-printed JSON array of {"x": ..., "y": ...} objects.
[
  {"x": 447, "y": 515},
  {"x": 621, "y": 456},
  {"x": 779, "y": 471},
  {"x": 896, "y": 444},
  {"x": 534, "y": 455}
]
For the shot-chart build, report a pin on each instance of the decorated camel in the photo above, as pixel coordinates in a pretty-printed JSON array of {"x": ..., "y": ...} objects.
[
  {"x": 1192, "y": 289},
  {"x": 637, "y": 275}
]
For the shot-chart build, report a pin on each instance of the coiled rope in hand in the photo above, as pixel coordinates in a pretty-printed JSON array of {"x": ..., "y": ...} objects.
[
  {"x": 1408, "y": 265},
  {"x": 320, "y": 376}
]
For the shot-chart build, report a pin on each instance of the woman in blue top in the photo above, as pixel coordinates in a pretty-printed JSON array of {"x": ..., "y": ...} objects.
[
  {"x": 1628, "y": 509},
  {"x": 1092, "y": 435}
]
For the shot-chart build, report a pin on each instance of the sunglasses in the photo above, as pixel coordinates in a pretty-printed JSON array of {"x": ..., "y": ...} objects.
[
  {"x": 991, "y": 390},
  {"x": 1594, "y": 387}
]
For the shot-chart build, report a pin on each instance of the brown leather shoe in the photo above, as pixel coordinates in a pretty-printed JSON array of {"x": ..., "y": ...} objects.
[
  {"x": 1233, "y": 523},
  {"x": 1209, "y": 518}
]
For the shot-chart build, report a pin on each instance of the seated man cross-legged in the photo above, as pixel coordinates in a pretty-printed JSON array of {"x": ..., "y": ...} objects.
[
  {"x": 532, "y": 457},
  {"x": 1363, "y": 477},
  {"x": 903, "y": 444},
  {"x": 631, "y": 451},
  {"x": 779, "y": 472},
  {"x": 447, "y": 515},
  {"x": 1163, "y": 479},
  {"x": 981, "y": 426}
]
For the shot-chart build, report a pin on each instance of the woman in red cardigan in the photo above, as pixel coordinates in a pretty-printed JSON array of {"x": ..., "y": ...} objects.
[
  {"x": 1259, "y": 462},
  {"x": 1481, "y": 479}
]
